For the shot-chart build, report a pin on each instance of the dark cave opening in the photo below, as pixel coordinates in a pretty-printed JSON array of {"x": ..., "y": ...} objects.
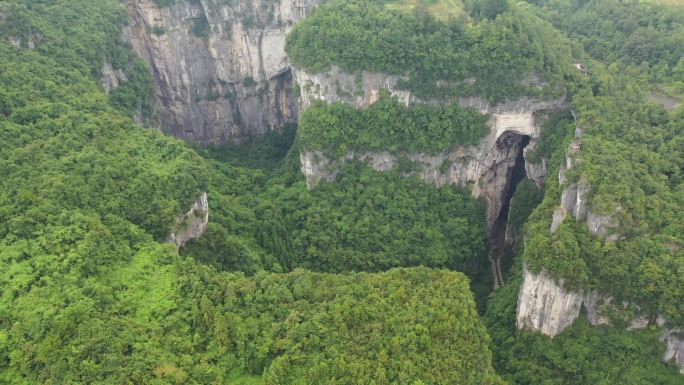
[{"x": 499, "y": 250}]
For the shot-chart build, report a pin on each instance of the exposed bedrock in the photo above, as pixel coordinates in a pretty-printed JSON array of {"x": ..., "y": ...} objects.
[
  {"x": 221, "y": 72},
  {"x": 192, "y": 224},
  {"x": 549, "y": 307},
  {"x": 675, "y": 348},
  {"x": 486, "y": 167},
  {"x": 546, "y": 305}
]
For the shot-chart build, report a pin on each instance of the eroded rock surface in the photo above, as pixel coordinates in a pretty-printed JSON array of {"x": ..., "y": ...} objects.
[
  {"x": 675, "y": 348},
  {"x": 486, "y": 166},
  {"x": 192, "y": 224},
  {"x": 221, "y": 72},
  {"x": 111, "y": 78},
  {"x": 546, "y": 306}
]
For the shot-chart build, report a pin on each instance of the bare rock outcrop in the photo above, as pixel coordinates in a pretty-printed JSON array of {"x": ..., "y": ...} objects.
[
  {"x": 192, "y": 224},
  {"x": 675, "y": 348},
  {"x": 546, "y": 306},
  {"x": 220, "y": 71},
  {"x": 549, "y": 307},
  {"x": 575, "y": 199},
  {"x": 111, "y": 78},
  {"x": 485, "y": 167},
  {"x": 535, "y": 171}
]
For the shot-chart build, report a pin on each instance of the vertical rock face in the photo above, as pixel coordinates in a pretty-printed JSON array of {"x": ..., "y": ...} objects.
[
  {"x": 192, "y": 224},
  {"x": 675, "y": 348},
  {"x": 536, "y": 172},
  {"x": 358, "y": 90},
  {"x": 221, "y": 72},
  {"x": 546, "y": 306},
  {"x": 111, "y": 78},
  {"x": 486, "y": 166}
]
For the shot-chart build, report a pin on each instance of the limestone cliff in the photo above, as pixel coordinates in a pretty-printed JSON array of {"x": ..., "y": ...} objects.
[
  {"x": 486, "y": 167},
  {"x": 192, "y": 224},
  {"x": 547, "y": 306},
  {"x": 220, "y": 69},
  {"x": 675, "y": 348},
  {"x": 111, "y": 78},
  {"x": 543, "y": 302}
]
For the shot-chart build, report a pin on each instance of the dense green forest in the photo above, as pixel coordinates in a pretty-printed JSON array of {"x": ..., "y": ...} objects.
[
  {"x": 388, "y": 125},
  {"x": 642, "y": 188},
  {"x": 405, "y": 326},
  {"x": 371, "y": 279},
  {"x": 640, "y": 38},
  {"x": 89, "y": 295},
  {"x": 583, "y": 354},
  {"x": 631, "y": 156},
  {"x": 367, "y": 221},
  {"x": 490, "y": 59}
]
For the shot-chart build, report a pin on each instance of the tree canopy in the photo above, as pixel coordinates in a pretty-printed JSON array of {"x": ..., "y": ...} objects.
[
  {"x": 492, "y": 59},
  {"x": 387, "y": 125}
]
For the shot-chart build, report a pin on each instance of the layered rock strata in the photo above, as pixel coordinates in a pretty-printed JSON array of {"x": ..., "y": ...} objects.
[
  {"x": 220, "y": 70},
  {"x": 486, "y": 167}
]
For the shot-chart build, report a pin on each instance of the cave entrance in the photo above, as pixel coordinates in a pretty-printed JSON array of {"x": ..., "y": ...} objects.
[{"x": 499, "y": 249}]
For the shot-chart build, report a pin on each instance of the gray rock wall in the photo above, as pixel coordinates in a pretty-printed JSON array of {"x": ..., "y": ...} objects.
[
  {"x": 221, "y": 72},
  {"x": 485, "y": 167},
  {"x": 545, "y": 305},
  {"x": 675, "y": 348},
  {"x": 192, "y": 224}
]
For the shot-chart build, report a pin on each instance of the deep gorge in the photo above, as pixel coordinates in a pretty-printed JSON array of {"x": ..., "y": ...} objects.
[
  {"x": 229, "y": 192},
  {"x": 500, "y": 247}
]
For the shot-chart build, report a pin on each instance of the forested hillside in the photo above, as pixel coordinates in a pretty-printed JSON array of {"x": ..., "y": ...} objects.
[
  {"x": 631, "y": 155},
  {"x": 375, "y": 277},
  {"x": 90, "y": 295},
  {"x": 388, "y": 125},
  {"x": 627, "y": 133},
  {"x": 370, "y": 222},
  {"x": 439, "y": 57},
  {"x": 641, "y": 38}
]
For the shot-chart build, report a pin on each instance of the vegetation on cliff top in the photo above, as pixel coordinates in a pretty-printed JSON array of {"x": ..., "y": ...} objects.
[
  {"x": 642, "y": 39},
  {"x": 492, "y": 58},
  {"x": 89, "y": 295},
  {"x": 631, "y": 157},
  {"x": 388, "y": 125},
  {"x": 405, "y": 326}
]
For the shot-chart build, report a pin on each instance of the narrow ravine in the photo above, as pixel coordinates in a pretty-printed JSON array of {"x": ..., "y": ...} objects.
[{"x": 497, "y": 240}]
